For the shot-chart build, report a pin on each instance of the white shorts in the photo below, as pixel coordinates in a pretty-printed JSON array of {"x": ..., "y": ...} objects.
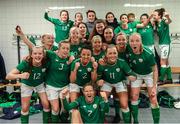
[
  {"x": 148, "y": 79},
  {"x": 26, "y": 90},
  {"x": 73, "y": 87},
  {"x": 119, "y": 87},
  {"x": 165, "y": 51},
  {"x": 54, "y": 93}
]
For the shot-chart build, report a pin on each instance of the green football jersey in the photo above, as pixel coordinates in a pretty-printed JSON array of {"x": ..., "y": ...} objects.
[
  {"x": 147, "y": 35},
  {"x": 124, "y": 55},
  {"x": 61, "y": 28},
  {"x": 163, "y": 33},
  {"x": 37, "y": 74},
  {"x": 75, "y": 50},
  {"x": 114, "y": 73},
  {"x": 142, "y": 63},
  {"x": 127, "y": 31},
  {"x": 58, "y": 71},
  {"x": 83, "y": 73},
  {"x": 99, "y": 56},
  {"x": 90, "y": 112},
  {"x": 54, "y": 48}
]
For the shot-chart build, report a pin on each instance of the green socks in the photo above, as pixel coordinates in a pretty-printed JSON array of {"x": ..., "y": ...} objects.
[
  {"x": 156, "y": 115},
  {"x": 24, "y": 119},
  {"x": 116, "y": 106},
  {"x": 46, "y": 117},
  {"x": 126, "y": 117},
  {"x": 55, "y": 118},
  {"x": 169, "y": 73},
  {"x": 162, "y": 73},
  {"x": 134, "y": 111}
]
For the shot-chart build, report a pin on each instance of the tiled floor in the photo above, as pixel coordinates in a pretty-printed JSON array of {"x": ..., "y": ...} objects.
[{"x": 167, "y": 116}]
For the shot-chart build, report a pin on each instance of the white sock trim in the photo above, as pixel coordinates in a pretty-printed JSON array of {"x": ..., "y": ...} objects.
[
  {"x": 24, "y": 113},
  {"x": 134, "y": 102},
  {"x": 46, "y": 110},
  {"x": 54, "y": 113},
  {"x": 125, "y": 110},
  {"x": 164, "y": 66}
]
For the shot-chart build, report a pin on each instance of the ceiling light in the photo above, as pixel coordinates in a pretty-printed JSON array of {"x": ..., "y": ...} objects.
[
  {"x": 68, "y": 7},
  {"x": 142, "y": 5}
]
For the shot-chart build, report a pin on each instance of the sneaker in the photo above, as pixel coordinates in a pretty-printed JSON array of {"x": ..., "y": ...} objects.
[
  {"x": 177, "y": 105},
  {"x": 116, "y": 119}
]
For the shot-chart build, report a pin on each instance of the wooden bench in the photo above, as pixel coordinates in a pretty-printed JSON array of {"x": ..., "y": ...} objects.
[
  {"x": 176, "y": 70},
  {"x": 18, "y": 84}
]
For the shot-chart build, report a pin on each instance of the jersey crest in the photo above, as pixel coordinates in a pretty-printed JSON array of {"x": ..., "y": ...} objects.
[{"x": 94, "y": 106}]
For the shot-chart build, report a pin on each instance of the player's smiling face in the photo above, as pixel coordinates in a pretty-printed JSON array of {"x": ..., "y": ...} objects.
[
  {"x": 37, "y": 55},
  {"x": 121, "y": 41},
  {"x": 91, "y": 17},
  {"x": 89, "y": 94},
  {"x": 82, "y": 28},
  {"x": 144, "y": 19},
  {"x": 100, "y": 27},
  {"x": 85, "y": 56},
  {"x": 136, "y": 44},
  {"x": 108, "y": 34},
  {"x": 74, "y": 35},
  {"x": 48, "y": 41},
  {"x": 110, "y": 18},
  {"x": 112, "y": 55},
  {"x": 97, "y": 44},
  {"x": 64, "y": 16},
  {"x": 64, "y": 50}
]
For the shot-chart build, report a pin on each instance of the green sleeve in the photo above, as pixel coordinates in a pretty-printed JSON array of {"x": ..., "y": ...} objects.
[
  {"x": 53, "y": 20},
  {"x": 23, "y": 66},
  {"x": 127, "y": 69},
  {"x": 99, "y": 72},
  {"x": 69, "y": 106},
  {"x": 73, "y": 65},
  {"x": 117, "y": 30},
  {"x": 104, "y": 106}
]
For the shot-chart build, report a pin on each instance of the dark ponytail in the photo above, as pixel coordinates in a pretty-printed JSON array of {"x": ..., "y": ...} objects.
[{"x": 160, "y": 12}]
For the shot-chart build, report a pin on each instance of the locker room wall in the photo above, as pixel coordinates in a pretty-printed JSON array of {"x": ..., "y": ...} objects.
[{"x": 29, "y": 15}]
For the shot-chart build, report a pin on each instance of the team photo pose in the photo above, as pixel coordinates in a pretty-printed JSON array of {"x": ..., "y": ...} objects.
[
  {"x": 124, "y": 26},
  {"x": 90, "y": 108},
  {"x": 62, "y": 25},
  {"x": 98, "y": 29},
  {"x": 97, "y": 51},
  {"x": 47, "y": 40},
  {"x": 75, "y": 42},
  {"x": 146, "y": 30},
  {"x": 78, "y": 18},
  {"x": 111, "y": 75},
  {"x": 84, "y": 32},
  {"x": 91, "y": 18},
  {"x": 32, "y": 72},
  {"x": 142, "y": 62},
  {"x": 83, "y": 71},
  {"x": 162, "y": 21},
  {"x": 111, "y": 20}
]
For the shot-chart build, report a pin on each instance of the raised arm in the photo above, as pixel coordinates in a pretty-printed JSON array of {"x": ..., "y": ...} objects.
[
  {"x": 52, "y": 20},
  {"x": 168, "y": 19},
  {"x": 73, "y": 74},
  {"x": 15, "y": 74},
  {"x": 23, "y": 37},
  {"x": 68, "y": 106}
]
